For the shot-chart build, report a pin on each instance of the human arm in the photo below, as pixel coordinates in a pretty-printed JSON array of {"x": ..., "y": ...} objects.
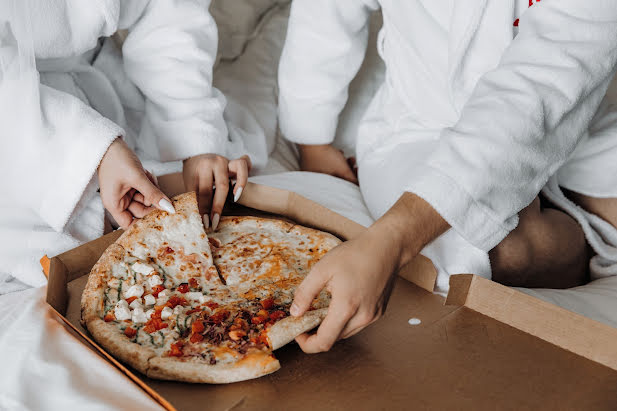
[
  {"x": 523, "y": 119},
  {"x": 317, "y": 65},
  {"x": 357, "y": 273}
]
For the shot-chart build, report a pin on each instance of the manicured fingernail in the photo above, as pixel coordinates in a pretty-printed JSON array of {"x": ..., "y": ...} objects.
[
  {"x": 206, "y": 221},
  {"x": 166, "y": 205},
  {"x": 294, "y": 310},
  {"x": 238, "y": 194},
  {"x": 215, "y": 221}
]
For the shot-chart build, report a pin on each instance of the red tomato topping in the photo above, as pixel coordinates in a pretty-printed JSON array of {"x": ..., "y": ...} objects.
[
  {"x": 219, "y": 316},
  {"x": 262, "y": 313},
  {"x": 267, "y": 303},
  {"x": 169, "y": 250},
  {"x": 174, "y": 300},
  {"x": 277, "y": 315},
  {"x": 157, "y": 289},
  {"x": 258, "y": 320},
  {"x": 211, "y": 305},
  {"x": 130, "y": 332},
  {"x": 176, "y": 349},
  {"x": 262, "y": 338},
  {"x": 197, "y": 326},
  {"x": 193, "y": 283},
  {"x": 109, "y": 317},
  {"x": 236, "y": 334},
  {"x": 154, "y": 324},
  {"x": 183, "y": 288},
  {"x": 195, "y": 338},
  {"x": 131, "y": 299}
]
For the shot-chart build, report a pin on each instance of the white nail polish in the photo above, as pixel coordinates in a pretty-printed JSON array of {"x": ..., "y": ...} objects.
[
  {"x": 238, "y": 194},
  {"x": 166, "y": 205},
  {"x": 206, "y": 221},
  {"x": 215, "y": 221}
]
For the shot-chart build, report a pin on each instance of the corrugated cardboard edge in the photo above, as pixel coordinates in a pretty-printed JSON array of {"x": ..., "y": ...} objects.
[{"x": 568, "y": 330}]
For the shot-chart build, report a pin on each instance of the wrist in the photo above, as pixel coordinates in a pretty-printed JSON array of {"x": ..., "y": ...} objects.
[{"x": 409, "y": 225}]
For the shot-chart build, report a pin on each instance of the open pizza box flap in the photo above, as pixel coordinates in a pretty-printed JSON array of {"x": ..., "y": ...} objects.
[{"x": 488, "y": 346}]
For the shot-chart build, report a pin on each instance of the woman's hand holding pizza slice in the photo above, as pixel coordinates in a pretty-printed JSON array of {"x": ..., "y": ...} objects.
[{"x": 208, "y": 175}]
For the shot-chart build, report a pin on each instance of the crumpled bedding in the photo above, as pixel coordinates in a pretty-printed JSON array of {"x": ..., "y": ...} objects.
[{"x": 46, "y": 367}]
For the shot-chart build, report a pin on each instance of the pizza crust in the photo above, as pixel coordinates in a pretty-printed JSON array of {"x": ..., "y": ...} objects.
[
  {"x": 92, "y": 303},
  {"x": 119, "y": 345},
  {"x": 252, "y": 366},
  {"x": 286, "y": 330}
]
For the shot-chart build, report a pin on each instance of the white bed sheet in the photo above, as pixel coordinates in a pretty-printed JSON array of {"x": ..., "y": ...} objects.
[{"x": 44, "y": 367}]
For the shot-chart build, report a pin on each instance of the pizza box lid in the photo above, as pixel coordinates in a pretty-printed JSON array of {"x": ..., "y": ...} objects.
[{"x": 485, "y": 346}]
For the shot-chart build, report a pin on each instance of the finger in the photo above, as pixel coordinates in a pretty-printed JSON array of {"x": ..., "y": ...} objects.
[
  {"x": 221, "y": 183},
  {"x": 330, "y": 329},
  {"x": 240, "y": 169},
  {"x": 139, "y": 197},
  {"x": 138, "y": 209},
  {"x": 152, "y": 177},
  {"x": 124, "y": 218},
  {"x": 204, "y": 191},
  {"x": 308, "y": 289},
  {"x": 115, "y": 203},
  {"x": 249, "y": 163},
  {"x": 152, "y": 194},
  {"x": 357, "y": 323}
]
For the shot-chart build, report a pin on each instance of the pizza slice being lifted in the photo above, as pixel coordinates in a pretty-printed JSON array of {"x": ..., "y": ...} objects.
[{"x": 155, "y": 299}]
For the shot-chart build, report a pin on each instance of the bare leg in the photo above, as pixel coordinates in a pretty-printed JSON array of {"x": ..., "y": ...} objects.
[
  {"x": 547, "y": 250},
  {"x": 605, "y": 208}
]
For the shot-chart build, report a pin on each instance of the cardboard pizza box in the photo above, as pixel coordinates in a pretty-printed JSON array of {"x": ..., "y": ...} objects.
[{"x": 485, "y": 346}]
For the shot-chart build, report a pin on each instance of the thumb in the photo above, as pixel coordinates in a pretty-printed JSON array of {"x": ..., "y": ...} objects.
[
  {"x": 152, "y": 194},
  {"x": 310, "y": 287}
]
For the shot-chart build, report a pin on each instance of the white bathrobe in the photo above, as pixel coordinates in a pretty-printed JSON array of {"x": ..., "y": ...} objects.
[
  {"x": 157, "y": 93},
  {"x": 483, "y": 102}
]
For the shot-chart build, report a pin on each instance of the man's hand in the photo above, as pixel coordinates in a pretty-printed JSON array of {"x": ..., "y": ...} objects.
[
  {"x": 358, "y": 273},
  {"x": 327, "y": 160},
  {"x": 127, "y": 190},
  {"x": 203, "y": 172}
]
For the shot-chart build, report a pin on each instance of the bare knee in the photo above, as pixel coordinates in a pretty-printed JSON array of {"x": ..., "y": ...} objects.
[
  {"x": 513, "y": 257},
  {"x": 547, "y": 249}
]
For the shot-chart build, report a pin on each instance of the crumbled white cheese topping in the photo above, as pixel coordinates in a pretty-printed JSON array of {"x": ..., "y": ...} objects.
[
  {"x": 139, "y": 316},
  {"x": 163, "y": 297},
  {"x": 154, "y": 280},
  {"x": 142, "y": 268},
  {"x": 119, "y": 270},
  {"x": 136, "y": 290},
  {"x": 166, "y": 313},
  {"x": 135, "y": 303},
  {"x": 113, "y": 283},
  {"x": 149, "y": 313},
  {"x": 149, "y": 299},
  {"x": 196, "y": 296},
  {"x": 122, "y": 311}
]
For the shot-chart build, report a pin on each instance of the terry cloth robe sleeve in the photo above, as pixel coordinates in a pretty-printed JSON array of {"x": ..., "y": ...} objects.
[
  {"x": 325, "y": 46},
  {"x": 169, "y": 54},
  {"x": 52, "y": 143},
  {"x": 523, "y": 119}
]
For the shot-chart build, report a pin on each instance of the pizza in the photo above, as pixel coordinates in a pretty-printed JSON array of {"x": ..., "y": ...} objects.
[{"x": 177, "y": 303}]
